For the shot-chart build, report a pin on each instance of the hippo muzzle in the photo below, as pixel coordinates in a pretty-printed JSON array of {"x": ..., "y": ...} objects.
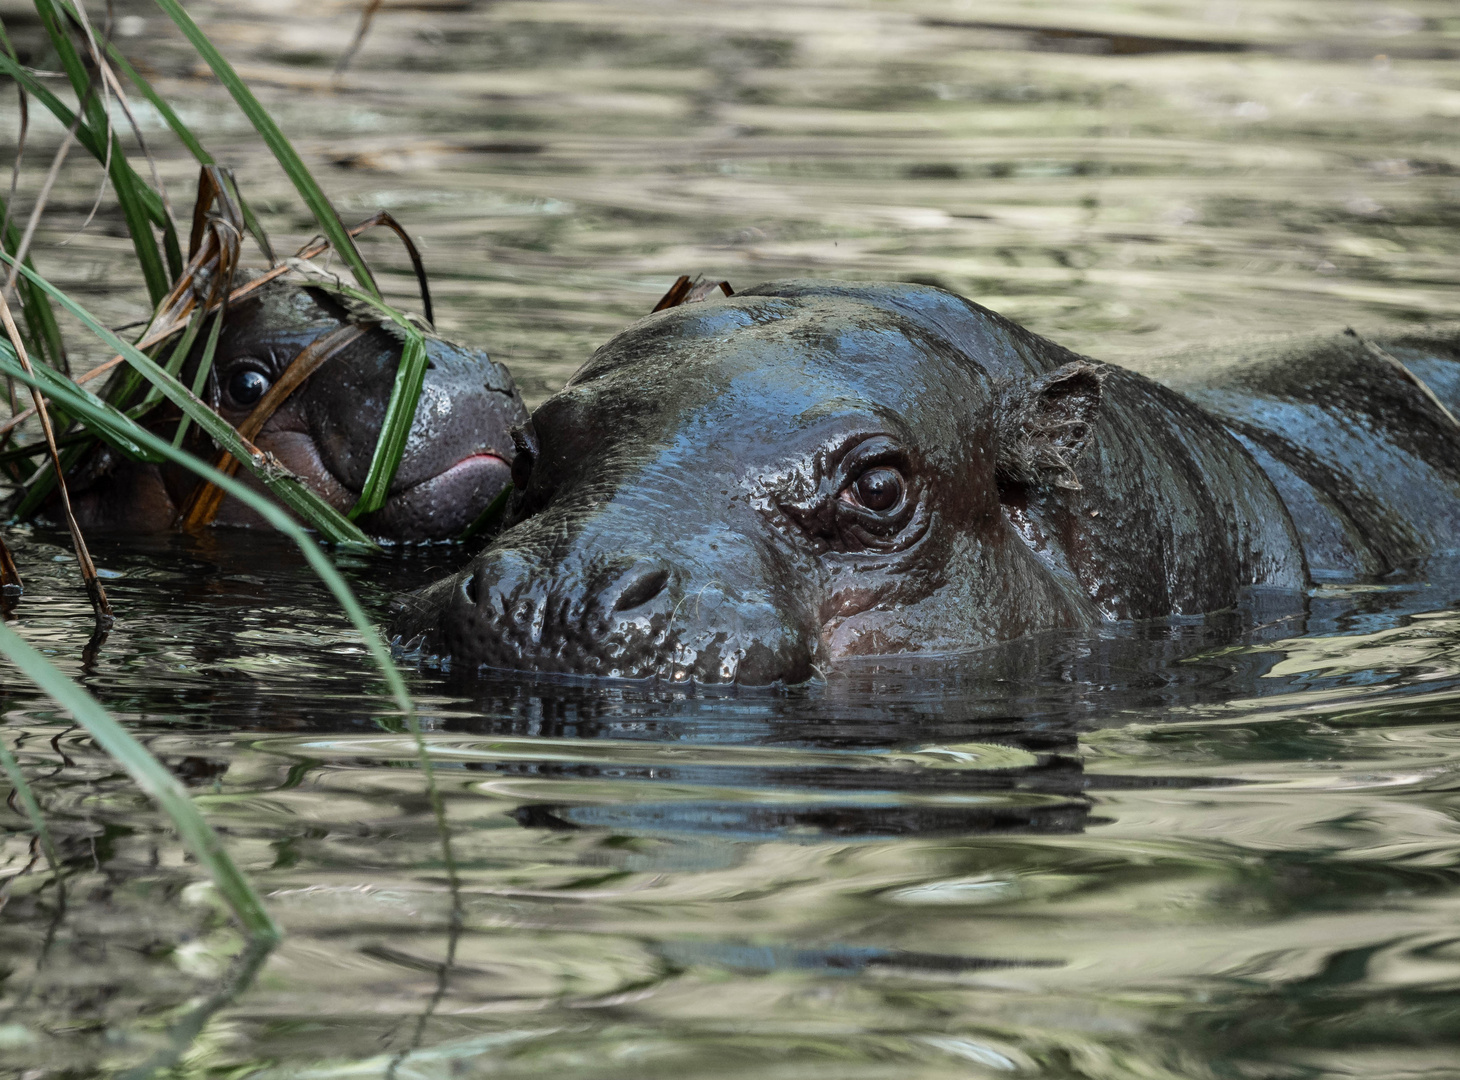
[{"x": 586, "y": 591}]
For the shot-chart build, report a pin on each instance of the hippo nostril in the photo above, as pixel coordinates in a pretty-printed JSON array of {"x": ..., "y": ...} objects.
[{"x": 646, "y": 584}]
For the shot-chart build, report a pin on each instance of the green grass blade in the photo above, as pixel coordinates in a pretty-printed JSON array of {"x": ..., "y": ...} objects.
[
  {"x": 40, "y": 321},
  {"x": 115, "y": 427},
  {"x": 287, "y": 488},
  {"x": 169, "y": 116},
  {"x": 189, "y": 140},
  {"x": 38, "y": 448},
  {"x": 175, "y": 361},
  {"x": 141, "y": 201},
  {"x": 149, "y": 774},
  {"x": 405, "y": 395},
  {"x": 138, "y": 211},
  {"x": 310, "y": 191},
  {"x": 336, "y": 584},
  {"x": 126, "y": 184},
  {"x": 182, "y": 1034},
  {"x": 43, "y": 481},
  {"x": 56, "y": 107},
  {"x": 79, "y": 405},
  {"x": 11, "y": 768}
]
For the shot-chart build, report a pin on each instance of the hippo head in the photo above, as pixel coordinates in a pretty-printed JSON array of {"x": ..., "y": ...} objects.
[
  {"x": 744, "y": 491},
  {"x": 458, "y": 453}
]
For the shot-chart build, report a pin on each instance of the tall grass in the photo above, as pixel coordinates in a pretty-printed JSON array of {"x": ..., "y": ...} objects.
[
  {"x": 143, "y": 208},
  {"x": 96, "y": 70}
]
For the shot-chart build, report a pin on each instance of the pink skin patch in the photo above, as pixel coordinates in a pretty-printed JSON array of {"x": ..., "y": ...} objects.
[{"x": 467, "y": 464}]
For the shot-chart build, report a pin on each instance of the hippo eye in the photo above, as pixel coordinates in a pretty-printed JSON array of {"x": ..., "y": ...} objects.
[
  {"x": 246, "y": 386},
  {"x": 878, "y": 489},
  {"x": 869, "y": 499}
]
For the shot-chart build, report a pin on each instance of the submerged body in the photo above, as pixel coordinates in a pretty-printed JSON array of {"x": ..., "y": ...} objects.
[
  {"x": 457, "y": 457},
  {"x": 749, "y": 490}
]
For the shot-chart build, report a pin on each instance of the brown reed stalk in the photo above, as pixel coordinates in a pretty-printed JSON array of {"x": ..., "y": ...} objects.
[
  {"x": 94, "y": 591},
  {"x": 367, "y": 16},
  {"x": 10, "y": 583}
]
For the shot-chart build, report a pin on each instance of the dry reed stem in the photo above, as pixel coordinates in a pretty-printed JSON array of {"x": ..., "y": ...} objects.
[
  {"x": 94, "y": 590},
  {"x": 40, "y": 204},
  {"x": 10, "y": 583},
  {"x": 367, "y": 16},
  {"x": 110, "y": 77},
  {"x": 106, "y": 110}
]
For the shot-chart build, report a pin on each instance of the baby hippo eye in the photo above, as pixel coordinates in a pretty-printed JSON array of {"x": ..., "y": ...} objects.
[
  {"x": 879, "y": 489},
  {"x": 246, "y": 386}
]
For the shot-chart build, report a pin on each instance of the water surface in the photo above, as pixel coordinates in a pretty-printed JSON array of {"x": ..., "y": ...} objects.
[{"x": 1207, "y": 848}]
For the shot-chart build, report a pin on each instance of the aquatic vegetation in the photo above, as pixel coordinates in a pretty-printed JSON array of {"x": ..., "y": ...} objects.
[{"x": 188, "y": 297}]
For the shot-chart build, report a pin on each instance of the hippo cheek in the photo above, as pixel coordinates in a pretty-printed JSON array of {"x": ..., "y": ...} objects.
[
  {"x": 297, "y": 452},
  {"x": 721, "y": 637},
  {"x": 872, "y": 633}
]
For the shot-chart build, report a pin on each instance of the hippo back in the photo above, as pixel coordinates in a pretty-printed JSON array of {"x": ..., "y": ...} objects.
[
  {"x": 1003, "y": 348},
  {"x": 1431, "y": 355},
  {"x": 1357, "y": 433}
]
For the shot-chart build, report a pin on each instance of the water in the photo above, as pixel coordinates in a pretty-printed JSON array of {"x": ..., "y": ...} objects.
[{"x": 1214, "y": 848}]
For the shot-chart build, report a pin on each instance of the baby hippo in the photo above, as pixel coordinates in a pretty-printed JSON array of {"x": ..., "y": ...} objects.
[{"x": 458, "y": 454}]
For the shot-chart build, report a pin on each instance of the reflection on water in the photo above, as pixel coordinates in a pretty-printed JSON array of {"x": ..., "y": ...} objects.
[
  {"x": 1219, "y": 847},
  {"x": 1169, "y": 850}
]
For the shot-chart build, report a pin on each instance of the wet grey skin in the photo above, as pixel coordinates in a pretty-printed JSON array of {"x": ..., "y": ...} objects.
[
  {"x": 749, "y": 491},
  {"x": 458, "y": 454}
]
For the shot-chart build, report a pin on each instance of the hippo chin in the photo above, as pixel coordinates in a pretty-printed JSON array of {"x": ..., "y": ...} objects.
[
  {"x": 458, "y": 453},
  {"x": 749, "y": 490}
]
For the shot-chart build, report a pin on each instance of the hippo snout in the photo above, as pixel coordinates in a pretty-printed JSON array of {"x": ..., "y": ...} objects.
[{"x": 628, "y": 616}]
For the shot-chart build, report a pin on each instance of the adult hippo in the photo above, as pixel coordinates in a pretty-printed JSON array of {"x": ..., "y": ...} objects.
[
  {"x": 458, "y": 453},
  {"x": 748, "y": 490}
]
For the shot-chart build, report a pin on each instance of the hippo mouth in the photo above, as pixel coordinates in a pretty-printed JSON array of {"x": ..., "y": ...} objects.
[{"x": 439, "y": 507}]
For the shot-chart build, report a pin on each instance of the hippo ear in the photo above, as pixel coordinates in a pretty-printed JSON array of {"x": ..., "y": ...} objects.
[{"x": 1044, "y": 424}]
